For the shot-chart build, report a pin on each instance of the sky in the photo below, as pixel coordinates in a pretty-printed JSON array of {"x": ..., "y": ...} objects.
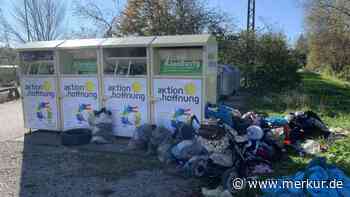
[{"x": 281, "y": 15}]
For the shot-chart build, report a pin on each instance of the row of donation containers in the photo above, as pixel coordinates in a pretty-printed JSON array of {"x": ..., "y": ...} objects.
[{"x": 156, "y": 79}]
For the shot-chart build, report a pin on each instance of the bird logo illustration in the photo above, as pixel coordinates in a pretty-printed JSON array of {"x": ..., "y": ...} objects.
[
  {"x": 44, "y": 111},
  {"x": 82, "y": 110},
  {"x": 131, "y": 116},
  {"x": 181, "y": 115}
]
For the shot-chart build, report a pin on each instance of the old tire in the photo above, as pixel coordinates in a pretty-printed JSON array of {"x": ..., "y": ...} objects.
[{"x": 76, "y": 137}]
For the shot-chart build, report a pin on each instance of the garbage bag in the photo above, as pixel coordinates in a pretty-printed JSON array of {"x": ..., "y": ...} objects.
[
  {"x": 187, "y": 149},
  {"x": 184, "y": 131},
  {"x": 178, "y": 149},
  {"x": 160, "y": 136},
  {"x": 218, "y": 192},
  {"x": 222, "y": 112},
  {"x": 100, "y": 123},
  {"x": 196, "y": 166},
  {"x": 252, "y": 118},
  {"x": 141, "y": 137},
  {"x": 164, "y": 154},
  {"x": 276, "y": 121},
  {"x": 222, "y": 159},
  {"x": 316, "y": 170}
]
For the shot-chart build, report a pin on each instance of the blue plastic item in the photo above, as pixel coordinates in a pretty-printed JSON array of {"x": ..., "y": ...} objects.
[
  {"x": 277, "y": 121},
  {"x": 222, "y": 112},
  {"x": 317, "y": 170}
]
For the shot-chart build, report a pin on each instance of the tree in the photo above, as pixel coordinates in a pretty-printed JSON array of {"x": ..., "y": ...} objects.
[
  {"x": 301, "y": 50},
  {"x": 329, "y": 36},
  {"x": 104, "y": 18},
  {"x": 35, "y": 20},
  {"x": 276, "y": 69},
  {"x": 171, "y": 17}
]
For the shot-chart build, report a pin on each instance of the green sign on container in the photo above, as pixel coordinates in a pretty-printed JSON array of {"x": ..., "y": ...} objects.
[
  {"x": 85, "y": 66},
  {"x": 190, "y": 67}
]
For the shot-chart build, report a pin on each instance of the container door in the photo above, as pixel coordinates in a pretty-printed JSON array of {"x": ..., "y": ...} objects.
[
  {"x": 38, "y": 85},
  {"x": 127, "y": 100},
  {"x": 125, "y": 88},
  {"x": 177, "y": 85},
  {"x": 79, "y": 87},
  {"x": 177, "y": 100}
]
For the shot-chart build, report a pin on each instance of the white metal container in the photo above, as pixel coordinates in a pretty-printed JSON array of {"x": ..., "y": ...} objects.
[{"x": 124, "y": 75}]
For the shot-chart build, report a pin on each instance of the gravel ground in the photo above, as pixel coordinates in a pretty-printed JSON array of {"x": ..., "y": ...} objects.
[
  {"x": 38, "y": 166},
  {"x": 28, "y": 170},
  {"x": 11, "y": 120}
]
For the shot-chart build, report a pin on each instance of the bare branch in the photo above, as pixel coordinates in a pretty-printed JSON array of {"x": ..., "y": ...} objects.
[{"x": 45, "y": 19}]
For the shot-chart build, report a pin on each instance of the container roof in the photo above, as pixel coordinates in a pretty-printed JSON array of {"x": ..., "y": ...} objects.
[
  {"x": 81, "y": 43},
  {"x": 8, "y": 66},
  {"x": 140, "y": 41},
  {"x": 40, "y": 45},
  {"x": 181, "y": 40}
]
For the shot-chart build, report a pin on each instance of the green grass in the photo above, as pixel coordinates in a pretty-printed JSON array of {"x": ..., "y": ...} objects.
[{"x": 329, "y": 98}]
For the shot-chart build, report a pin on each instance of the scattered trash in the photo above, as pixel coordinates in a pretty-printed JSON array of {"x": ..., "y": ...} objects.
[
  {"x": 187, "y": 149},
  {"x": 311, "y": 147},
  {"x": 316, "y": 170},
  {"x": 230, "y": 145},
  {"x": 164, "y": 154},
  {"x": 141, "y": 137},
  {"x": 160, "y": 137},
  {"x": 254, "y": 133},
  {"x": 218, "y": 192},
  {"x": 100, "y": 123},
  {"x": 196, "y": 166},
  {"x": 223, "y": 159},
  {"x": 342, "y": 131},
  {"x": 262, "y": 169}
]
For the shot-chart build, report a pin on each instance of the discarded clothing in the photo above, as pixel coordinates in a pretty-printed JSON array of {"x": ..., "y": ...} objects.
[
  {"x": 222, "y": 159},
  {"x": 276, "y": 121},
  {"x": 317, "y": 170},
  {"x": 197, "y": 166},
  {"x": 262, "y": 169},
  {"x": 100, "y": 123},
  {"x": 164, "y": 154},
  {"x": 252, "y": 118},
  {"x": 217, "y": 146},
  {"x": 141, "y": 137},
  {"x": 159, "y": 137},
  {"x": 222, "y": 112},
  {"x": 311, "y": 147},
  {"x": 184, "y": 131},
  {"x": 211, "y": 130},
  {"x": 187, "y": 149},
  {"x": 306, "y": 123},
  {"x": 218, "y": 192}
]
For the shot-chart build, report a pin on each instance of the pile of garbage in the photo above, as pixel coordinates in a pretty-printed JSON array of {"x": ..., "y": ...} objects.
[
  {"x": 317, "y": 179},
  {"x": 101, "y": 126},
  {"x": 228, "y": 144}
]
